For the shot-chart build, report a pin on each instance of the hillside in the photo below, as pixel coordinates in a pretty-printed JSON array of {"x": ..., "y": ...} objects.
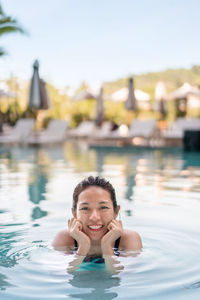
[{"x": 173, "y": 79}]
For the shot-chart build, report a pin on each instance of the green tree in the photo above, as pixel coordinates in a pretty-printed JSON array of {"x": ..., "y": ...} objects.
[{"x": 8, "y": 25}]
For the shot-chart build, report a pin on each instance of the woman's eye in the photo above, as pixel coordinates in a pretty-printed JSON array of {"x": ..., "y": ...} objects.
[
  {"x": 84, "y": 208},
  {"x": 104, "y": 207}
]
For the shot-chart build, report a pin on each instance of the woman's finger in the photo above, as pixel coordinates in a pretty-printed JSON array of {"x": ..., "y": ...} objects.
[
  {"x": 78, "y": 225},
  {"x": 74, "y": 222},
  {"x": 110, "y": 225},
  {"x": 70, "y": 222},
  {"x": 118, "y": 223},
  {"x": 115, "y": 225}
]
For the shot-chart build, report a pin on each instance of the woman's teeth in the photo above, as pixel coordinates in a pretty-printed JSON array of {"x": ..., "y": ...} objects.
[{"x": 96, "y": 227}]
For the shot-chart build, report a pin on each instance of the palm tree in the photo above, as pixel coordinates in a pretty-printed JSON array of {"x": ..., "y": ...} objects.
[{"x": 8, "y": 25}]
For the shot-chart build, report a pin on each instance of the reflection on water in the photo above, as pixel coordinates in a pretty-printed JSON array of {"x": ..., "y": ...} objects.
[
  {"x": 37, "y": 186},
  {"x": 158, "y": 190},
  {"x": 130, "y": 183},
  {"x": 4, "y": 283},
  {"x": 94, "y": 286},
  {"x": 38, "y": 213},
  {"x": 37, "y": 189},
  {"x": 139, "y": 174}
]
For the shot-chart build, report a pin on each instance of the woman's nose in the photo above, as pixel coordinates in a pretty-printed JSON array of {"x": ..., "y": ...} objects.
[{"x": 94, "y": 215}]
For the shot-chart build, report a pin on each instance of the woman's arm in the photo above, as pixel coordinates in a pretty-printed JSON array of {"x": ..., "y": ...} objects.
[
  {"x": 75, "y": 231},
  {"x": 115, "y": 230},
  {"x": 63, "y": 240},
  {"x": 131, "y": 240},
  {"x": 112, "y": 264}
]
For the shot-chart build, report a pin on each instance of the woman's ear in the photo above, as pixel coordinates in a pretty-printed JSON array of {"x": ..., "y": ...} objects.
[
  {"x": 117, "y": 211},
  {"x": 74, "y": 212}
]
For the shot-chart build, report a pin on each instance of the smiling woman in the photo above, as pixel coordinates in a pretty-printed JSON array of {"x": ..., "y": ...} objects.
[{"x": 94, "y": 231}]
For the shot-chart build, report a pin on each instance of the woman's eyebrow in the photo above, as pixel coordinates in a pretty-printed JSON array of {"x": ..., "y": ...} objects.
[
  {"x": 84, "y": 203},
  {"x": 100, "y": 203},
  {"x": 104, "y": 202}
]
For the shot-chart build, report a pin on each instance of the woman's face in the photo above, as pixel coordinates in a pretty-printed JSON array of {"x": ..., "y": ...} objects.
[{"x": 95, "y": 211}]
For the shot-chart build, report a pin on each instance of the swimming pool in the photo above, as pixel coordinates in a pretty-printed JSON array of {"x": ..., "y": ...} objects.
[{"x": 159, "y": 194}]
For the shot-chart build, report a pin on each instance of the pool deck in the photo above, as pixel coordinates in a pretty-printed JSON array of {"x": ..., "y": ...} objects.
[{"x": 156, "y": 140}]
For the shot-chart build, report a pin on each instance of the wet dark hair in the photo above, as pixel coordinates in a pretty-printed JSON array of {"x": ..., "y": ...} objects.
[{"x": 94, "y": 181}]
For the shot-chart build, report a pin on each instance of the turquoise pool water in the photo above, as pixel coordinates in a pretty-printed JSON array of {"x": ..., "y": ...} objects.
[{"x": 159, "y": 194}]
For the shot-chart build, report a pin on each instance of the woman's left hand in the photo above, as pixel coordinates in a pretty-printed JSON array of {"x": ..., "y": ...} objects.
[{"x": 115, "y": 231}]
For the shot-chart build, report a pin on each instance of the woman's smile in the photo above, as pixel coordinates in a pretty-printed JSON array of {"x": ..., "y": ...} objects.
[{"x": 95, "y": 227}]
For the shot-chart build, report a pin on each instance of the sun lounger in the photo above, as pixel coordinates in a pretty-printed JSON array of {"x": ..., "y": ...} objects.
[
  {"x": 103, "y": 131},
  {"x": 104, "y": 136},
  {"x": 55, "y": 133},
  {"x": 19, "y": 133},
  {"x": 177, "y": 128},
  {"x": 144, "y": 129},
  {"x": 84, "y": 130}
]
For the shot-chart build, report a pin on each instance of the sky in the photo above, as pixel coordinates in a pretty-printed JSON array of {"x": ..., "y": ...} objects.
[{"x": 100, "y": 40}]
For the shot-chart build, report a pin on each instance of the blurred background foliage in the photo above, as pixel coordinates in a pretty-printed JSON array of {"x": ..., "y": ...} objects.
[
  {"x": 173, "y": 78},
  {"x": 65, "y": 107},
  {"x": 8, "y": 25}
]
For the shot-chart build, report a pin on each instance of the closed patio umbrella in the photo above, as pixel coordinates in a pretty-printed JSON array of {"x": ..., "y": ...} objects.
[
  {"x": 160, "y": 98},
  {"x": 45, "y": 103},
  {"x": 38, "y": 97},
  {"x": 99, "y": 108},
  {"x": 131, "y": 103},
  {"x": 142, "y": 98}
]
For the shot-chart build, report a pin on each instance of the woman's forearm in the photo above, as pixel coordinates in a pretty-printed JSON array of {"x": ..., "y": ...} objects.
[
  {"x": 107, "y": 249},
  {"x": 75, "y": 263},
  {"x": 112, "y": 264}
]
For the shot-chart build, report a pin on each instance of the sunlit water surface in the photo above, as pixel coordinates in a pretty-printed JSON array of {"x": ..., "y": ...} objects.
[{"x": 159, "y": 194}]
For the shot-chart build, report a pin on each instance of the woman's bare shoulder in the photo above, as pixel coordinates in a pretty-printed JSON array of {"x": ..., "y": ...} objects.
[
  {"x": 130, "y": 240},
  {"x": 62, "y": 239}
]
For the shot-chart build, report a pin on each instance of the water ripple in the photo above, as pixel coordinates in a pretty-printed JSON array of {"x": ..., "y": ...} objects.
[
  {"x": 166, "y": 264},
  {"x": 162, "y": 187}
]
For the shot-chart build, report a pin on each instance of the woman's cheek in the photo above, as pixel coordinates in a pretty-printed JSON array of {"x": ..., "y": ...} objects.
[{"x": 81, "y": 217}]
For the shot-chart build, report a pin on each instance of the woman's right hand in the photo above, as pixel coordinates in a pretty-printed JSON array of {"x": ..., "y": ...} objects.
[{"x": 75, "y": 231}]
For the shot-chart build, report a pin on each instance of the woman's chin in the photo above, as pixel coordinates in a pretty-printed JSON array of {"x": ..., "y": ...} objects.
[{"x": 96, "y": 236}]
